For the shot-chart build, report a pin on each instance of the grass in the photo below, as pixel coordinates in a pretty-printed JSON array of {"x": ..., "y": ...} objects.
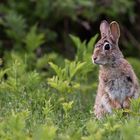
[{"x": 58, "y": 104}]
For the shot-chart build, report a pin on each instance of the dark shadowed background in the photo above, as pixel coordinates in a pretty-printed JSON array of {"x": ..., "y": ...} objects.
[{"x": 55, "y": 20}]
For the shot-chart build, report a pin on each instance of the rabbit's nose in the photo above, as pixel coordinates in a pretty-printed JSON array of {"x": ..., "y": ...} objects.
[{"x": 94, "y": 58}]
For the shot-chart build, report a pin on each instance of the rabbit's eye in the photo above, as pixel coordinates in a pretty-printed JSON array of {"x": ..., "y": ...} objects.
[{"x": 106, "y": 46}]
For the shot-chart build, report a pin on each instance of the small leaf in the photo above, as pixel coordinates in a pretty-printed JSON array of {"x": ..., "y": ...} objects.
[
  {"x": 33, "y": 39},
  {"x": 91, "y": 43}
]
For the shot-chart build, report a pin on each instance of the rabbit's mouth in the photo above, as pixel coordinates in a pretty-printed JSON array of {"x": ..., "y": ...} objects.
[{"x": 97, "y": 61}]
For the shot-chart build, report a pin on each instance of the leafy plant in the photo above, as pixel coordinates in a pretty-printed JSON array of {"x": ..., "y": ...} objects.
[
  {"x": 33, "y": 40},
  {"x": 59, "y": 104},
  {"x": 15, "y": 25}
]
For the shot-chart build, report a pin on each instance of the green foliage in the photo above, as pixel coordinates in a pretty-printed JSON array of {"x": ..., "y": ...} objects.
[
  {"x": 15, "y": 26},
  {"x": 131, "y": 130},
  {"x": 69, "y": 71},
  {"x": 13, "y": 127},
  {"x": 44, "y": 96},
  {"x": 57, "y": 104},
  {"x": 45, "y": 133},
  {"x": 33, "y": 40},
  {"x": 55, "y": 19},
  {"x": 136, "y": 65},
  {"x": 83, "y": 51}
]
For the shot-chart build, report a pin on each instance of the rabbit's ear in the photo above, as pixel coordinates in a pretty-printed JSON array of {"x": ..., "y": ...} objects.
[
  {"x": 115, "y": 30},
  {"x": 104, "y": 28}
]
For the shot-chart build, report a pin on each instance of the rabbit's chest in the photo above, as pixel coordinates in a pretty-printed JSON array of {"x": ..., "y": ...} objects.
[{"x": 118, "y": 89}]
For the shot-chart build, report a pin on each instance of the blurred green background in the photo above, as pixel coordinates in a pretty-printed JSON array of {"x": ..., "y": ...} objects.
[
  {"x": 48, "y": 82},
  {"x": 55, "y": 20}
]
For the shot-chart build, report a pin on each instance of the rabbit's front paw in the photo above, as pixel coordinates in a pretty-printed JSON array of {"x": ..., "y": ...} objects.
[{"x": 99, "y": 111}]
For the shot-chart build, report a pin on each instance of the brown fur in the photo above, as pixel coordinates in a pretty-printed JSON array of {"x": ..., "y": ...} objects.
[{"x": 117, "y": 80}]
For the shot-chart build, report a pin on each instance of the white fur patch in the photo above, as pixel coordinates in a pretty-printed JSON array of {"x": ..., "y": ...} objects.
[{"x": 119, "y": 89}]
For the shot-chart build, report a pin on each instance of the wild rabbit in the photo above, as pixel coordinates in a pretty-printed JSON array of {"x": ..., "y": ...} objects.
[{"x": 117, "y": 80}]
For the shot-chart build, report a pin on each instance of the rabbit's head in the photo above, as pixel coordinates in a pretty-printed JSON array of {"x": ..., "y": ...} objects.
[{"x": 106, "y": 50}]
